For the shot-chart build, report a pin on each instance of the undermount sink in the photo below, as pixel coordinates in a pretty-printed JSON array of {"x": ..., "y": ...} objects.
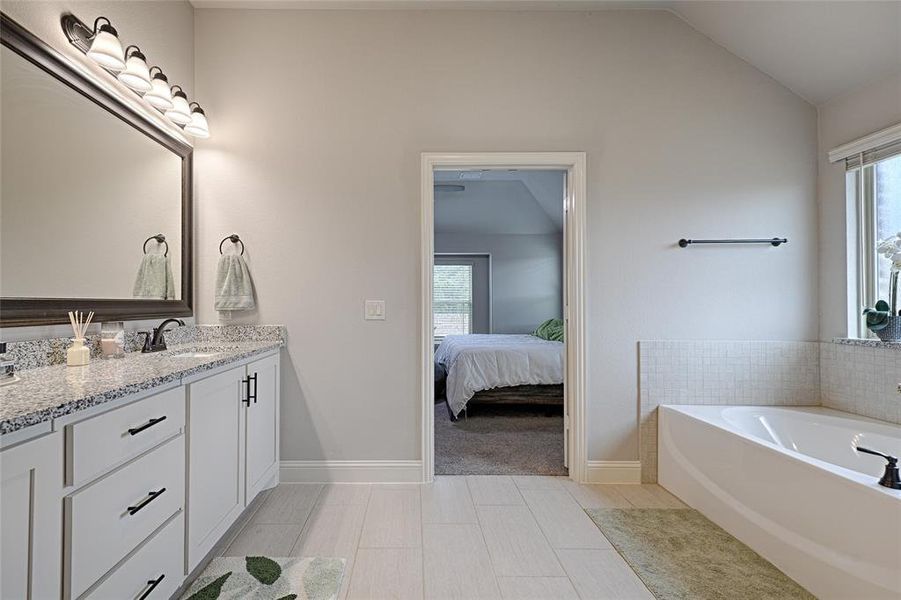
[{"x": 203, "y": 352}]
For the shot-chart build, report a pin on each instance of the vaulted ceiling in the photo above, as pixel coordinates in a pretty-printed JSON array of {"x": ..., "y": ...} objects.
[
  {"x": 499, "y": 202},
  {"x": 820, "y": 49}
]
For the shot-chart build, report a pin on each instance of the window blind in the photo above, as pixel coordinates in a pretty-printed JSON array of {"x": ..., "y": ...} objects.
[
  {"x": 869, "y": 157},
  {"x": 452, "y": 300}
]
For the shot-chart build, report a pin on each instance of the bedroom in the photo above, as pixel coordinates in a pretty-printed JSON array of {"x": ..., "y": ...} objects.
[{"x": 497, "y": 305}]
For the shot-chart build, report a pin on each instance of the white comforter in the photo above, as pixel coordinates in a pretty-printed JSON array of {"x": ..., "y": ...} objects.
[{"x": 483, "y": 362}]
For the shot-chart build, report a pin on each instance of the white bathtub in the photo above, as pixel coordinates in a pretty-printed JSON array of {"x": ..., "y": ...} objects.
[{"x": 789, "y": 484}]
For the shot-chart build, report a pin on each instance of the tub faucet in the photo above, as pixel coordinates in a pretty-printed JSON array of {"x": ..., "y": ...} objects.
[{"x": 891, "y": 478}]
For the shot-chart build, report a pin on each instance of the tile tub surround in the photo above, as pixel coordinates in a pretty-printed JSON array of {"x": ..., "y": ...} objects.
[
  {"x": 31, "y": 354},
  {"x": 721, "y": 372},
  {"x": 862, "y": 377},
  {"x": 50, "y": 392}
]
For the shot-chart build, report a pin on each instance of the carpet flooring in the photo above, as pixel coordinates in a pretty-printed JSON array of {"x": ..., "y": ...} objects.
[
  {"x": 500, "y": 440},
  {"x": 681, "y": 555}
]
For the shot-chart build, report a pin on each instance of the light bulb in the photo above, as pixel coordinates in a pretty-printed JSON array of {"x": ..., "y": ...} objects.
[
  {"x": 159, "y": 96},
  {"x": 198, "y": 127},
  {"x": 105, "y": 49},
  {"x": 136, "y": 74},
  {"x": 180, "y": 113}
]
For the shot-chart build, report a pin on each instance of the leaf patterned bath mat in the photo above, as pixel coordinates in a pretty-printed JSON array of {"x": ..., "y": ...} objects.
[{"x": 265, "y": 578}]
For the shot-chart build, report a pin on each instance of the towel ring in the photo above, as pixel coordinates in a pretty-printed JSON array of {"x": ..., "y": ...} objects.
[
  {"x": 160, "y": 239},
  {"x": 234, "y": 239}
]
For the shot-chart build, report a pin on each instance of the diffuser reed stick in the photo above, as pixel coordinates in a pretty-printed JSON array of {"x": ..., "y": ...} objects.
[{"x": 78, "y": 354}]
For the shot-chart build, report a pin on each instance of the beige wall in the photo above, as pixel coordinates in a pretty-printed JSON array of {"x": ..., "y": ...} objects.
[
  {"x": 80, "y": 192},
  {"x": 163, "y": 29},
  {"x": 320, "y": 118},
  {"x": 842, "y": 120}
]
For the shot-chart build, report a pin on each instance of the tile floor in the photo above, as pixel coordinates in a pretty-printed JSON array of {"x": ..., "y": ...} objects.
[{"x": 460, "y": 537}]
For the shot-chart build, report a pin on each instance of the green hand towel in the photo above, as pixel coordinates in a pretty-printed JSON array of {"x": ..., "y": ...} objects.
[{"x": 154, "y": 280}]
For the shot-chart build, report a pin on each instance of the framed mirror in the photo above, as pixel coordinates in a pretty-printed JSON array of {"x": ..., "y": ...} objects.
[{"x": 95, "y": 199}]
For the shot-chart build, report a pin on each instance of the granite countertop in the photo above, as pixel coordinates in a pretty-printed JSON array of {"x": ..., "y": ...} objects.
[{"x": 46, "y": 393}]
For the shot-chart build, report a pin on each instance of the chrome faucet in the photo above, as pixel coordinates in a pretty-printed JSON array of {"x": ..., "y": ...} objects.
[
  {"x": 890, "y": 478},
  {"x": 155, "y": 342}
]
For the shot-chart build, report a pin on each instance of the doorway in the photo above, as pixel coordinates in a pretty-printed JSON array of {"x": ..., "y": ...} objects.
[{"x": 573, "y": 220}]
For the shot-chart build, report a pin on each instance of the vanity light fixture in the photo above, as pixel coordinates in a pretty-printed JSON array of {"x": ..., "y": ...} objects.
[
  {"x": 105, "y": 48},
  {"x": 130, "y": 67},
  {"x": 180, "y": 113},
  {"x": 136, "y": 74},
  {"x": 198, "y": 127},
  {"x": 159, "y": 96}
]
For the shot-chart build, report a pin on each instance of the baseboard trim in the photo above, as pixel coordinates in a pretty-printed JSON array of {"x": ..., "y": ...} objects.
[
  {"x": 350, "y": 471},
  {"x": 614, "y": 471}
]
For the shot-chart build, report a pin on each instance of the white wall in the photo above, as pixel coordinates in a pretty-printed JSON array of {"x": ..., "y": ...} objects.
[
  {"x": 526, "y": 275},
  {"x": 164, "y": 30},
  {"x": 320, "y": 118},
  {"x": 842, "y": 120},
  {"x": 79, "y": 187}
]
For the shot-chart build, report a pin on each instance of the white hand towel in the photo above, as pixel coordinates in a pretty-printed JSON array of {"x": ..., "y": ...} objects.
[
  {"x": 154, "y": 280},
  {"x": 234, "y": 288}
]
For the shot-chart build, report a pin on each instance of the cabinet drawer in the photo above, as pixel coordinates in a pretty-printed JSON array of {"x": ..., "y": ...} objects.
[
  {"x": 111, "y": 517},
  {"x": 162, "y": 556},
  {"x": 107, "y": 440}
]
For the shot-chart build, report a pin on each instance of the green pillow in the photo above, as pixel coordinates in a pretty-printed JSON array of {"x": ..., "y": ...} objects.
[{"x": 551, "y": 330}]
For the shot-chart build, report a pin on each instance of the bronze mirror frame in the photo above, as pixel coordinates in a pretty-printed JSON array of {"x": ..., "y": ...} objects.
[{"x": 18, "y": 312}]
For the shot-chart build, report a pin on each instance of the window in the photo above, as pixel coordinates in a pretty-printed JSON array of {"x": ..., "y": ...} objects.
[
  {"x": 452, "y": 299},
  {"x": 877, "y": 186}
]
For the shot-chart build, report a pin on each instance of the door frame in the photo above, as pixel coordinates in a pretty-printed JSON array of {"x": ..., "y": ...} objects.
[{"x": 575, "y": 205}]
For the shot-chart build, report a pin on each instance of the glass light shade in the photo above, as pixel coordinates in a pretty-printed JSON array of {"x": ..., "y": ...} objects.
[
  {"x": 106, "y": 50},
  {"x": 159, "y": 96},
  {"x": 180, "y": 113},
  {"x": 136, "y": 74},
  {"x": 198, "y": 127}
]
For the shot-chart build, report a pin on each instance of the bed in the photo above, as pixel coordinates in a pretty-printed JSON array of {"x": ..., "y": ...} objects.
[{"x": 479, "y": 362}]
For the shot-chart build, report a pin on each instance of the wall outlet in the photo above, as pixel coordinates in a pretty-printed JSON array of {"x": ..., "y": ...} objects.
[{"x": 374, "y": 310}]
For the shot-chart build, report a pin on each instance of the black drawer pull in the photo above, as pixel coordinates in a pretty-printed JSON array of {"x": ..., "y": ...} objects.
[
  {"x": 254, "y": 397},
  {"x": 246, "y": 382},
  {"x": 151, "y": 497},
  {"x": 147, "y": 425},
  {"x": 152, "y": 583}
]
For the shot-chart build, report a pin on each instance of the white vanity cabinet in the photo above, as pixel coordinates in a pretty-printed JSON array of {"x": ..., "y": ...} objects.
[
  {"x": 123, "y": 500},
  {"x": 262, "y": 426},
  {"x": 216, "y": 416},
  {"x": 31, "y": 483},
  {"x": 233, "y": 424}
]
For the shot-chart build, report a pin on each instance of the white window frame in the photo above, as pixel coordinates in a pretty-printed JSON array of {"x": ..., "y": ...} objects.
[
  {"x": 866, "y": 244},
  {"x": 862, "y": 208},
  {"x": 461, "y": 262}
]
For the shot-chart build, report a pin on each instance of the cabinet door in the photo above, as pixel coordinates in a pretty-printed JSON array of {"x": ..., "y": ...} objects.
[
  {"x": 215, "y": 459},
  {"x": 262, "y": 424},
  {"x": 31, "y": 528}
]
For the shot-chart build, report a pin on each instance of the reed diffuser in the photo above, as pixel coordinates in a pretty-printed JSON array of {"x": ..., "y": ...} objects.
[{"x": 78, "y": 354}]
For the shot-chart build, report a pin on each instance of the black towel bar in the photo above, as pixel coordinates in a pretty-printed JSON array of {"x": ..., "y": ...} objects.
[{"x": 684, "y": 243}]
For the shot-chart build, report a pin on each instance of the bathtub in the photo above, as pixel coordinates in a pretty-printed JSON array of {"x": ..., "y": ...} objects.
[{"x": 788, "y": 483}]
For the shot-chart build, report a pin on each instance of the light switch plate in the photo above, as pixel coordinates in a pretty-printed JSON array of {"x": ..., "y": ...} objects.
[{"x": 374, "y": 310}]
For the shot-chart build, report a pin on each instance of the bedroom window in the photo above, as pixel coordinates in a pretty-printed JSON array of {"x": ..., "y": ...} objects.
[
  {"x": 452, "y": 299},
  {"x": 877, "y": 186}
]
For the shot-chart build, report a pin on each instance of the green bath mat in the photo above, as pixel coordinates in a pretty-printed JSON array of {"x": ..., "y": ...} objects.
[
  {"x": 681, "y": 555},
  {"x": 264, "y": 578}
]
